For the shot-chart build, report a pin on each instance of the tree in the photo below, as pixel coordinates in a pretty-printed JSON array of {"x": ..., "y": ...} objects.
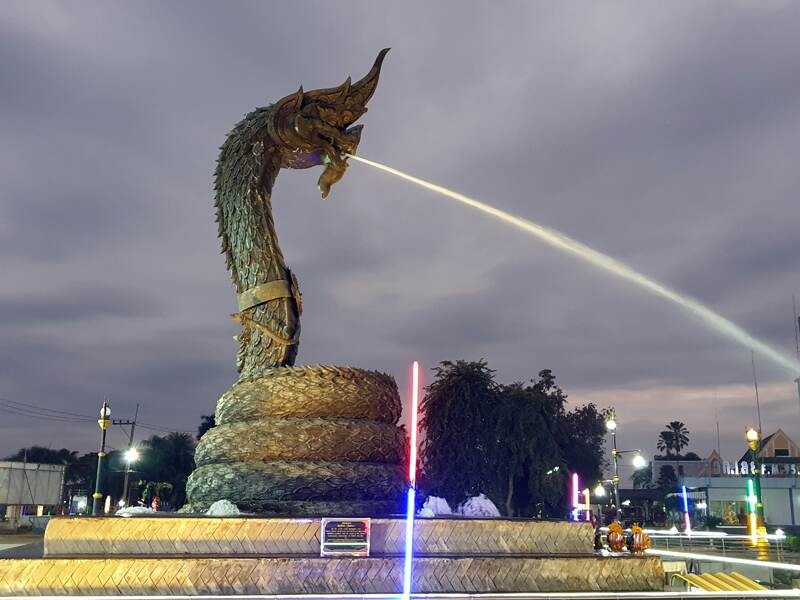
[
  {"x": 40, "y": 454},
  {"x": 582, "y": 435},
  {"x": 206, "y": 423},
  {"x": 666, "y": 478},
  {"x": 664, "y": 443},
  {"x": 457, "y": 413},
  {"x": 514, "y": 443},
  {"x": 524, "y": 450},
  {"x": 151, "y": 489},
  {"x": 673, "y": 439},
  {"x": 643, "y": 478},
  {"x": 680, "y": 435},
  {"x": 168, "y": 459}
]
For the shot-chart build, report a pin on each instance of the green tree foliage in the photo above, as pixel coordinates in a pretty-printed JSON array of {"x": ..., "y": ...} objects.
[
  {"x": 582, "y": 435},
  {"x": 673, "y": 439},
  {"x": 667, "y": 480},
  {"x": 47, "y": 456},
  {"x": 167, "y": 459},
  {"x": 643, "y": 478},
  {"x": 457, "y": 413},
  {"x": 506, "y": 441},
  {"x": 206, "y": 423},
  {"x": 524, "y": 450}
]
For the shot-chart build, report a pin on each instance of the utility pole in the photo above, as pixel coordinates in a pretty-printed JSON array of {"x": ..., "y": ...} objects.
[
  {"x": 755, "y": 384},
  {"x": 129, "y": 457},
  {"x": 796, "y": 325},
  {"x": 104, "y": 422}
]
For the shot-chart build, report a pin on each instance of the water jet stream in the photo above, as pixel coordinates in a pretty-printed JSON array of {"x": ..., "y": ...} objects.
[{"x": 563, "y": 242}]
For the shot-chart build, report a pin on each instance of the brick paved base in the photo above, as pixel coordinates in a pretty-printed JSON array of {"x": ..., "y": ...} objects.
[{"x": 216, "y": 576}]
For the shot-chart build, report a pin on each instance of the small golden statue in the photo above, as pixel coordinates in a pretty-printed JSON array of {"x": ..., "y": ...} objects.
[
  {"x": 641, "y": 541},
  {"x": 616, "y": 537}
]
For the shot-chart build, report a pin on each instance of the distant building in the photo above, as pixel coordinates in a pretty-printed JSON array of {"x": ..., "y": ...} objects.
[
  {"x": 28, "y": 489},
  {"x": 689, "y": 467},
  {"x": 720, "y": 487}
]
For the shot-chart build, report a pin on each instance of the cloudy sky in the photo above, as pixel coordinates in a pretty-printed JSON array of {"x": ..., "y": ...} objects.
[{"x": 664, "y": 134}]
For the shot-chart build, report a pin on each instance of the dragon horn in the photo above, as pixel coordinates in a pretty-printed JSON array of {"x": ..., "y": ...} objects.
[
  {"x": 361, "y": 91},
  {"x": 292, "y": 101},
  {"x": 344, "y": 89},
  {"x": 298, "y": 98}
]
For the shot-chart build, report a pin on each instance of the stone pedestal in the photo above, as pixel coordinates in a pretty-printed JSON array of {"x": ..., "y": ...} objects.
[{"x": 247, "y": 556}]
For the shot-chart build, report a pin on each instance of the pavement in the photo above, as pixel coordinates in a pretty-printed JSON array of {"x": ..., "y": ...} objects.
[{"x": 21, "y": 545}]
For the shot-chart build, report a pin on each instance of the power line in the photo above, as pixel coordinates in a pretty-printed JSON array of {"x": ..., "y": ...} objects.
[
  {"x": 41, "y": 412},
  {"x": 16, "y": 410},
  {"x": 45, "y": 410}
]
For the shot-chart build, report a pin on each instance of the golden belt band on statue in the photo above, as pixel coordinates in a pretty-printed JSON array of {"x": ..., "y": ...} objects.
[{"x": 280, "y": 288}]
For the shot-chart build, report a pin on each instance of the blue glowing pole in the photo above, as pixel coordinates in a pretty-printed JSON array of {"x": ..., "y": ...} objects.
[
  {"x": 686, "y": 520},
  {"x": 409, "y": 549}
]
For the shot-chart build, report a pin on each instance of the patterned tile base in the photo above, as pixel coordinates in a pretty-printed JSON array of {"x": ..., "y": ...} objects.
[
  {"x": 231, "y": 576},
  {"x": 208, "y": 536}
]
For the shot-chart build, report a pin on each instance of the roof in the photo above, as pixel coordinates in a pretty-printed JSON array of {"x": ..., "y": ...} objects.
[
  {"x": 721, "y": 582},
  {"x": 747, "y": 457}
]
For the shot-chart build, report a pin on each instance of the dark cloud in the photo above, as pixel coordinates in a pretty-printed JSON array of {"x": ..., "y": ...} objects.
[
  {"x": 77, "y": 302},
  {"x": 664, "y": 135}
]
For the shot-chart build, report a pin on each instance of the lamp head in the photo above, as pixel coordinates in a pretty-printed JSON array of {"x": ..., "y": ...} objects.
[
  {"x": 753, "y": 437},
  {"x": 611, "y": 423},
  {"x": 600, "y": 491},
  {"x": 132, "y": 455},
  {"x": 639, "y": 461}
]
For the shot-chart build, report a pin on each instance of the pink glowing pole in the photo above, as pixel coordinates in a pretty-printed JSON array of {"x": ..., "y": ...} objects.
[
  {"x": 575, "y": 496},
  {"x": 412, "y": 460}
]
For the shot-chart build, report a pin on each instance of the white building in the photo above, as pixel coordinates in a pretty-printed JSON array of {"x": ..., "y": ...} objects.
[
  {"x": 29, "y": 489},
  {"x": 723, "y": 485}
]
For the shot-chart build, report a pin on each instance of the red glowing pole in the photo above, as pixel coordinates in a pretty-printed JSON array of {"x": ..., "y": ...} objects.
[{"x": 412, "y": 458}]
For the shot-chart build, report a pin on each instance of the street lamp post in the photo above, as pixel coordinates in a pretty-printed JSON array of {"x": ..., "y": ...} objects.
[
  {"x": 104, "y": 422},
  {"x": 753, "y": 437},
  {"x": 638, "y": 461},
  {"x": 611, "y": 425},
  {"x": 131, "y": 456}
]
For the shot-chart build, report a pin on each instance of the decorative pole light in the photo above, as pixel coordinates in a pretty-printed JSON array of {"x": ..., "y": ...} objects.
[
  {"x": 686, "y": 520},
  {"x": 600, "y": 490},
  {"x": 104, "y": 422},
  {"x": 751, "y": 509},
  {"x": 412, "y": 482},
  {"x": 575, "y": 496},
  {"x": 753, "y": 437},
  {"x": 588, "y": 504},
  {"x": 611, "y": 425}
]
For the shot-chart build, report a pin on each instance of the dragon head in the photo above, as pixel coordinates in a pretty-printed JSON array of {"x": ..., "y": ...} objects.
[{"x": 314, "y": 127}]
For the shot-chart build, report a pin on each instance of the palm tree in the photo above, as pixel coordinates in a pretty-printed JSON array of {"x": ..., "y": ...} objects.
[
  {"x": 673, "y": 439},
  {"x": 664, "y": 443},
  {"x": 680, "y": 435}
]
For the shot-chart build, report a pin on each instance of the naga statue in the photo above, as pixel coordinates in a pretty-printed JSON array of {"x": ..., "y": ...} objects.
[{"x": 292, "y": 440}]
